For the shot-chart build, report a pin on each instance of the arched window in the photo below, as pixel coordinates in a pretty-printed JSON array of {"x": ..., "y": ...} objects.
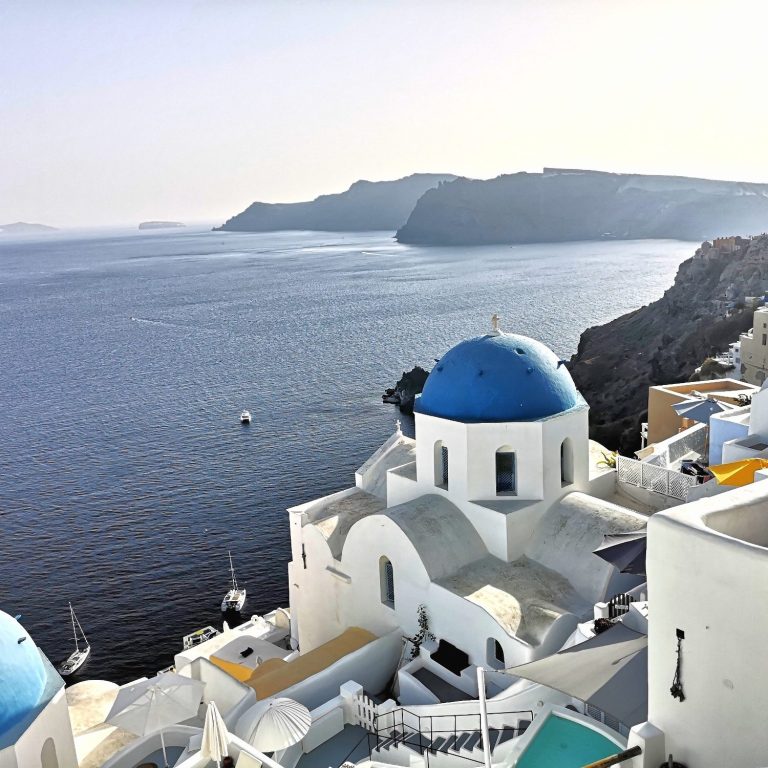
[
  {"x": 441, "y": 465},
  {"x": 506, "y": 472},
  {"x": 566, "y": 462},
  {"x": 48, "y": 757},
  {"x": 494, "y": 653},
  {"x": 387, "y": 582}
]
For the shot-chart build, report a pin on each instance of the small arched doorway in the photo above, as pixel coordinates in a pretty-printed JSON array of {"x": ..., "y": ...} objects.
[{"x": 48, "y": 757}]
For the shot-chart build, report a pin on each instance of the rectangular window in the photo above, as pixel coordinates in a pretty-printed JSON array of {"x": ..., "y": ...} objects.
[
  {"x": 506, "y": 480},
  {"x": 765, "y": 338},
  {"x": 445, "y": 466}
]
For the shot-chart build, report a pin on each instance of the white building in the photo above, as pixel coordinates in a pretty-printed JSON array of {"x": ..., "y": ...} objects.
[
  {"x": 35, "y": 730},
  {"x": 486, "y": 518},
  {"x": 741, "y": 433},
  {"x": 708, "y": 575}
]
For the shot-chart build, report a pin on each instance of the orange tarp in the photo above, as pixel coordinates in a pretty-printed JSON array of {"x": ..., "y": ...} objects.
[{"x": 738, "y": 472}]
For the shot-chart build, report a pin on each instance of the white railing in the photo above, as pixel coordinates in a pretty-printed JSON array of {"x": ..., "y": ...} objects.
[
  {"x": 364, "y": 712},
  {"x": 657, "y": 479}
]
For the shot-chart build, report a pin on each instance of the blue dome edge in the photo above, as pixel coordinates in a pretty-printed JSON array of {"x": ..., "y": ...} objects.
[{"x": 496, "y": 378}]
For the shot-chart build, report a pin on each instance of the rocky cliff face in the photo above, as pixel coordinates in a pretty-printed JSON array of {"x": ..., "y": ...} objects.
[
  {"x": 665, "y": 342},
  {"x": 365, "y": 206},
  {"x": 404, "y": 392},
  {"x": 563, "y": 205}
]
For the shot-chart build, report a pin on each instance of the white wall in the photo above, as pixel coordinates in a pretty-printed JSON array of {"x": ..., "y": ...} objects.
[
  {"x": 722, "y": 428},
  {"x": 714, "y": 588},
  {"x": 735, "y": 450},
  {"x": 318, "y": 592},
  {"x": 372, "y": 666},
  {"x": 231, "y": 696},
  {"x": 52, "y": 722},
  {"x": 758, "y": 420}
]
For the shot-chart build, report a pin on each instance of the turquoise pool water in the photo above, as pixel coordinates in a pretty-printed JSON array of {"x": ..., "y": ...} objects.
[{"x": 563, "y": 743}]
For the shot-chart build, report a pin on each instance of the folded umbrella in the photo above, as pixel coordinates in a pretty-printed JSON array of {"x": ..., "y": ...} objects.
[{"x": 215, "y": 735}]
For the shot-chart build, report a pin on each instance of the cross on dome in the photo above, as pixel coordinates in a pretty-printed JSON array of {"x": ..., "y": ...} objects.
[{"x": 495, "y": 324}]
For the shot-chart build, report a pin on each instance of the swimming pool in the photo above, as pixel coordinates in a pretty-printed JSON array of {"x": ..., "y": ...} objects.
[{"x": 564, "y": 743}]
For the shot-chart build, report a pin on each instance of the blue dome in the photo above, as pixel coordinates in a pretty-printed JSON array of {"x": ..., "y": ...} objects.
[
  {"x": 495, "y": 378},
  {"x": 22, "y": 673}
]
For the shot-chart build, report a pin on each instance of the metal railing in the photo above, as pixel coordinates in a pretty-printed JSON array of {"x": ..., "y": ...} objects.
[
  {"x": 619, "y": 604},
  {"x": 418, "y": 732},
  {"x": 661, "y": 480}
]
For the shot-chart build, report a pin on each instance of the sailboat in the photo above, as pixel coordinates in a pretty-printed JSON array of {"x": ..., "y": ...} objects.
[
  {"x": 235, "y": 598},
  {"x": 79, "y": 656}
]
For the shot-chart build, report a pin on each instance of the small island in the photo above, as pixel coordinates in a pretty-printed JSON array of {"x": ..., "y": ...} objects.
[
  {"x": 25, "y": 228},
  {"x": 160, "y": 224}
]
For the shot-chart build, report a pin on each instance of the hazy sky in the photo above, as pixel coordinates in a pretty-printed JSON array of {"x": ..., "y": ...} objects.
[{"x": 116, "y": 111}]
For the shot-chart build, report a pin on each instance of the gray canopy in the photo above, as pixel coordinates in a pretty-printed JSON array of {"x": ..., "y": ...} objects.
[{"x": 609, "y": 671}]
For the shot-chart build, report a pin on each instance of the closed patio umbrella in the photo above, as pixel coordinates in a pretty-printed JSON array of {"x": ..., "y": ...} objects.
[
  {"x": 274, "y": 724},
  {"x": 154, "y": 704},
  {"x": 215, "y": 736},
  {"x": 738, "y": 472},
  {"x": 624, "y": 550}
]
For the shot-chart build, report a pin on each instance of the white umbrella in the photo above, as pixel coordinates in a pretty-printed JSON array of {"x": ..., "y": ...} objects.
[
  {"x": 154, "y": 704},
  {"x": 215, "y": 736},
  {"x": 274, "y": 724}
]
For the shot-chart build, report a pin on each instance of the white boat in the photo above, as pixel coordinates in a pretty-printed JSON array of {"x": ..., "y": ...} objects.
[
  {"x": 199, "y": 636},
  {"x": 235, "y": 598},
  {"x": 79, "y": 656},
  {"x": 245, "y": 417}
]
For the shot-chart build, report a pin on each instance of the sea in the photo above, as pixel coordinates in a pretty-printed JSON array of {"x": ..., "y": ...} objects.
[{"x": 126, "y": 358}]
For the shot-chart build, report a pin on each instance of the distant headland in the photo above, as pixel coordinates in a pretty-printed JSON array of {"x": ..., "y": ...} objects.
[
  {"x": 556, "y": 205},
  {"x": 160, "y": 224},
  {"x": 25, "y": 228},
  {"x": 365, "y": 206},
  {"x": 560, "y": 205}
]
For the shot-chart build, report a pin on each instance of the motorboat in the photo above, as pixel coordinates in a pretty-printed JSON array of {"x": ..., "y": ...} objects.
[
  {"x": 245, "y": 417},
  {"x": 79, "y": 656},
  {"x": 235, "y": 598},
  {"x": 199, "y": 636}
]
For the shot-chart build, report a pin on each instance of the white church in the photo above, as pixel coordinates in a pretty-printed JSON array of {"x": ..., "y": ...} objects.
[{"x": 489, "y": 517}]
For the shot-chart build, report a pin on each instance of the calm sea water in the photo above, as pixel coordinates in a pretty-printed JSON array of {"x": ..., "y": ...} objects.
[{"x": 126, "y": 358}]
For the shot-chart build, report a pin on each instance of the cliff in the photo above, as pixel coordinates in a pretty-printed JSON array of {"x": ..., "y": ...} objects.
[
  {"x": 366, "y": 205},
  {"x": 403, "y": 394},
  {"x": 666, "y": 341},
  {"x": 564, "y": 205}
]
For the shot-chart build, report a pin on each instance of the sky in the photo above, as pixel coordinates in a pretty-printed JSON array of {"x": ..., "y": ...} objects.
[{"x": 118, "y": 111}]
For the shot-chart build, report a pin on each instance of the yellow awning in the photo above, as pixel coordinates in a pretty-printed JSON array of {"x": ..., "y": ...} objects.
[{"x": 738, "y": 472}]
